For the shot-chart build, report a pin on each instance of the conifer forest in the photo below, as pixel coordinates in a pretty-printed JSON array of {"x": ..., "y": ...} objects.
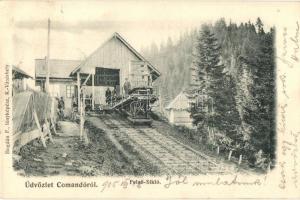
[{"x": 235, "y": 90}]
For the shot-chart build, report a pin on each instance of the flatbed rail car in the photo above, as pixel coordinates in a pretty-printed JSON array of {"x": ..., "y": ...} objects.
[{"x": 137, "y": 105}]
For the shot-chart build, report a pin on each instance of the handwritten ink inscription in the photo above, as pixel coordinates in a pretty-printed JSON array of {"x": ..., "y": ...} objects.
[
  {"x": 178, "y": 181},
  {"x": 295, "y": 41},
  {"x": 289, "y": 58}
]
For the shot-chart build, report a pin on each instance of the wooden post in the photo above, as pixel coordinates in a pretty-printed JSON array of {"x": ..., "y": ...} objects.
[
  {"x": 93, "y": 91},
  {"x": 160, "y": 102},
  {"x": 240, "y": 159},
  {"x": 81, "y": 120},
  {"x": 78, "y": 90},
  {"x": 81, "y": 115},
  {"x": 129, "y": 72},
  {"x": 150, "y": 79},
  {"x": 229, "y": 156},
  {"x": 53, "y": 125},
  {"x": 40, "y": 129},
  {"x": 47, "y": 60},
  {"x": 49, "y": 130},
  {"x": 218, "y": 150}
]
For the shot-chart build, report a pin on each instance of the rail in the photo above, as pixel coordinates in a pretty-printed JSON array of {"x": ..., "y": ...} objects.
[{"x": 172, "y": 154}]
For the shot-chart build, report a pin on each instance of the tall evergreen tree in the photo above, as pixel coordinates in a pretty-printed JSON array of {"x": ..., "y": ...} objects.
[
  {"x": 217, "y": 86},
  {"x": 262, "y": 115}
]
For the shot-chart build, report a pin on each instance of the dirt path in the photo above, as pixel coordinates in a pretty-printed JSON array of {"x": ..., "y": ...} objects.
[
  {"x": 67, "y": 155},
  {"x": 115, "y": 148}
]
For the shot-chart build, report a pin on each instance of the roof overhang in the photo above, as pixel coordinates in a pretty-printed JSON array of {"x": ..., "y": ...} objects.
[
  {"x": 68, "y": 79},
  {"x": 154, "y": 71},
  {"x": 20, "y": 73}
]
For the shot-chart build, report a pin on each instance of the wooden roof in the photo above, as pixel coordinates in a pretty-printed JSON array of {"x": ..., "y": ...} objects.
[
  {"x": 58, "y": 68},
  {"x": 19, "y": 73},
  {"x": 119, "y": 37},
  {"x": 181, "y": 102}
]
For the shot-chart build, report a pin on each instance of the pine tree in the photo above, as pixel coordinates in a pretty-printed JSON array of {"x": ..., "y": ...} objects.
[
  {"x": 262, "y": 115},
  {"x": 217, "y": 87},
  {"x": 206, "y": 58},
  {"x": 259, "y": 26}
]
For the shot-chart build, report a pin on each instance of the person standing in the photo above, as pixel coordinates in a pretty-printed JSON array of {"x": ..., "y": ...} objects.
[
  {"x": 107, "y": 96},
  {"x": 114, "y": 95},
  {"x": 74, "y": 108},
  {"x": 61, "y": 107},
  {"x": 126, "y": 87}
]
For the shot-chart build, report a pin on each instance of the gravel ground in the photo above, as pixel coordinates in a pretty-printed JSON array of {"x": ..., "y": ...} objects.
[
  {"x": 102, "y": 153},
  {"x": 67, "y": 155}
]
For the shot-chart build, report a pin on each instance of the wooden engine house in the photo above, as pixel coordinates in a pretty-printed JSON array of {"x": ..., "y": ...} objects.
[{"x": 107, "y": 68}]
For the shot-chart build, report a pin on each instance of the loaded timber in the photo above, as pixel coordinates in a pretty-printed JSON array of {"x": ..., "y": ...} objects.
[{"x": 137, "y": 105}]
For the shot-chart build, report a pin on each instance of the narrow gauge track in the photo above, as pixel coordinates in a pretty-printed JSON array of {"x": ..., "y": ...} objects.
[{"x": 175, "y": 156}]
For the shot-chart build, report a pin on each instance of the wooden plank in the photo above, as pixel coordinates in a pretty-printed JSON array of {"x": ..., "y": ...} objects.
[
  {"x": 21, "y": 139},
  {"x": 39, "y": 128}
]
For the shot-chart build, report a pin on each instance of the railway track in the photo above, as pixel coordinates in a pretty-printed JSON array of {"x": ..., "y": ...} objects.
[{"x": 163, "y": 150}]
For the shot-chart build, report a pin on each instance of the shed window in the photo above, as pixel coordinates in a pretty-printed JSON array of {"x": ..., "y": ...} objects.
[{"x": 69, "y": 91}]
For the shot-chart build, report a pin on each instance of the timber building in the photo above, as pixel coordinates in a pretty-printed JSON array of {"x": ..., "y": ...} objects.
[{"x": 108, "y": 66}]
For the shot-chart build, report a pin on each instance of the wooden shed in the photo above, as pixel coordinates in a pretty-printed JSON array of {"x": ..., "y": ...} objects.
[
  {"x": 19, "y": 78},
  {"x": 109, "y": 66},
  {"x": 178, "y": 110}
]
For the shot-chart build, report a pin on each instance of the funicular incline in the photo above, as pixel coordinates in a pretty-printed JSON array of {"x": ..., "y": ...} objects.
[
  {"x": 113, "y": 65},
  {"x": 163, "y": 151}
]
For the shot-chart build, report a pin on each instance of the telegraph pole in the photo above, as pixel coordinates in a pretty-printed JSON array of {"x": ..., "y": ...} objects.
[{"x": 47, "y": 59}]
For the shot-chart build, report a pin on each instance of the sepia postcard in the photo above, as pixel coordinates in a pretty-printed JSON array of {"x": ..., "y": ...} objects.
[{"x": 150, "y": 99}]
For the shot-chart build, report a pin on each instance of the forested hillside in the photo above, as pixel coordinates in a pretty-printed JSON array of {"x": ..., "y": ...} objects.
[
  {"x": 236, "y": 71},
  {"x": 173, "y": 60}
]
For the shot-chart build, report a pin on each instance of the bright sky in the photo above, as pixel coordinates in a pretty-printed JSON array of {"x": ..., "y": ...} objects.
[{"x": 79, "y": 28}]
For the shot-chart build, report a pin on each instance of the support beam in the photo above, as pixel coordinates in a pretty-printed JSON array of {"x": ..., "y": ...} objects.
[
  {"x": 129, "y": 72},
  {"x": 53, "y": 126},
  {"x": 52, "y": 113},
  {"x": 81, "y": 120},
  {"x": 78, "y": 90},
  {"x": 48, "y": 129},
  {"x": 47, "y": 60},
  {"x": 93, "y": 91},
  {"x": 240, "y": 159},
  {"x": 82, "y": 110},
  {"x": 150, "y": 80},
  {"x": 229, "y": 156},
  {"x": 84, "y": 83}
]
